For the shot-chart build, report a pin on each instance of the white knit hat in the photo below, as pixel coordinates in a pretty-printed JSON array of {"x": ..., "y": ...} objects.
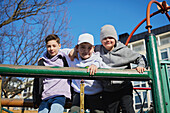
[
  {"x": 108, "y": 31},
  {"x": 86, "y": 37}
]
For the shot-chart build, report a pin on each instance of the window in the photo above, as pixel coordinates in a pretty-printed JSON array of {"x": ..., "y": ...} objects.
[
  {"x": 138, "y": 106},
  {"x": 138, "y": 47},
  {"x": 145, "y": 96},
  {"x": 145, "y": 105},
  {"x": 138, "y": 103},
  {"x": 151, "y": 96},
  {"x": 137, "y": 98},
  {"x": 25, "y": 92},
  {"x": 144, "y": 85},
  {"x": 169, "y": 72},
  {"x": 136, "y": 84},
  {"x": 139, "y": 83},
  {"x": 165, "y": 40},
  {"x": 164, "y": 54}
]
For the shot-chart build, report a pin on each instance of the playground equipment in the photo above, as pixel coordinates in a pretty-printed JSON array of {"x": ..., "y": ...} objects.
[
  {"x": 160, "y": 105},
  {"x": 157, "y": 75}
]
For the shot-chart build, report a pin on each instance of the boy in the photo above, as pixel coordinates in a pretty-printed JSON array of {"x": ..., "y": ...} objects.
[
  {"x": 116, "y": 55},
  {"x": 93, "y": 88},
  {"x": 51, "y": 93}
]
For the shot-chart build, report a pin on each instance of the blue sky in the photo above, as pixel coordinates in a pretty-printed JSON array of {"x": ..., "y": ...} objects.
[{"x": 90, "y": 15}]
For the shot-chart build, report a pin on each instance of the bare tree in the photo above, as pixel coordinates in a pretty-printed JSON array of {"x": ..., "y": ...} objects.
[{"x": 23, "y": 26}]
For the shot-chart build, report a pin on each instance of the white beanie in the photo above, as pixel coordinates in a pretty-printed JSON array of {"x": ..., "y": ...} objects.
[
  {"x": 108, "y": 31},
  {"x": 86, "y": 37}
]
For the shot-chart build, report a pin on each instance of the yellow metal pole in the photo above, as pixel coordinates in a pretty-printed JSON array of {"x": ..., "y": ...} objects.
[{"x": 82, "y": 96}]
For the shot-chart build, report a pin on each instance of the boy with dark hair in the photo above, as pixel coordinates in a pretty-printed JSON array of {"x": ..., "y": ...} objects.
[{"x": 50, "y": 93}]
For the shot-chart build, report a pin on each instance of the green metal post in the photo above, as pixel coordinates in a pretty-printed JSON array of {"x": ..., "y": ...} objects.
[
  {"x": 157, "y": 87},
  {"x": 165, "y": 65},
  {"x": 166, "y": 85}
]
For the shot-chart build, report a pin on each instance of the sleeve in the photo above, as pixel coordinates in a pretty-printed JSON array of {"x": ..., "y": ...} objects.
[
  {"x": 99, "y": 62},
  {"x": 97, "y": 48},
  {"x": 37, "y": 88},
  {"x": 135, "y": 57},
  {"x": 66, "y": 50},
  {"x": 40, "y": 62},
  {"x": 141, "y": 61}
]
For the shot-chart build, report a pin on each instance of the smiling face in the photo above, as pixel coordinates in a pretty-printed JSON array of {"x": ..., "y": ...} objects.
[
  {"x": 53, "y": 47},
  {"x": 109, "y": 43},
  {"x": 85, "y": 50}
]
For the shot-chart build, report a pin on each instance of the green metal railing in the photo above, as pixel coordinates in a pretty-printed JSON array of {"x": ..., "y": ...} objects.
[{"x": 70, "y": 72}]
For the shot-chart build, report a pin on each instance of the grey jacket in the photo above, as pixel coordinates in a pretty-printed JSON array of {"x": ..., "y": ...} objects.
[{"x": 119, "y": 58}]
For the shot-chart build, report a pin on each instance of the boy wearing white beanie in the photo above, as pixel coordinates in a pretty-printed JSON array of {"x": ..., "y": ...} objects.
[{"x": 115, "y": 54}]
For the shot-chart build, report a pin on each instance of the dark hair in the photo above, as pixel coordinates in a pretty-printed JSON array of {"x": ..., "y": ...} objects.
[{"x": 52, "y": 37}]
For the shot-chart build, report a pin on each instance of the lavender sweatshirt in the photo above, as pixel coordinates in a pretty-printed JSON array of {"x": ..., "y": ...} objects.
[{"x": 55, "y": 87}]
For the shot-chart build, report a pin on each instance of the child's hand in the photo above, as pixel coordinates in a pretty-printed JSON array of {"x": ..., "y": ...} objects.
[
  {"x": 92, "y": 69},
  {"x": 39, "y": 59},
  {"x": 73, "y": 54},
  {"x": 140, "y": 69}
]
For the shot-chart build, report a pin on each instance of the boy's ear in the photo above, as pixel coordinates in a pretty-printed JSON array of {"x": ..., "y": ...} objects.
[
  {"x": 93, "y": 47},
  {"x": 76, "y": 46},
  {"x": 59, "y": 45}
]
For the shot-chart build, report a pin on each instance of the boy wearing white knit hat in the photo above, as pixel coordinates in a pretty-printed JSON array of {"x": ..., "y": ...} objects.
[{"x": 115, "y": 54}]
